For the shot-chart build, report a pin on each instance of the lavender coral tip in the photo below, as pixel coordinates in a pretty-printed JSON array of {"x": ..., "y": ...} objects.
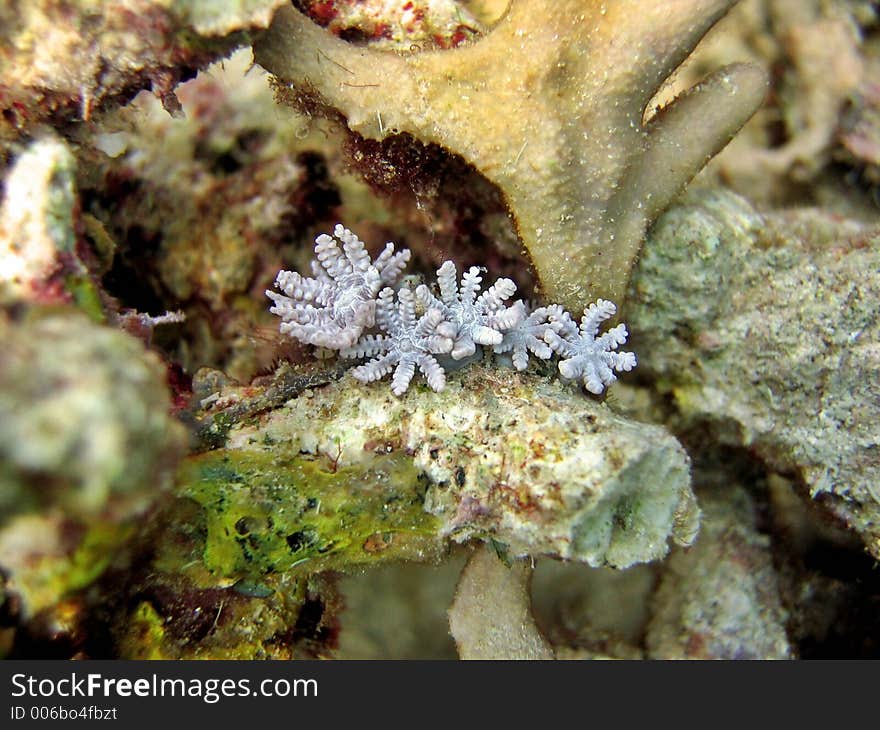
[
  {"x": 471, "y": 320},
  {"x": 586, "y": 356},
  {"x": 409, "y": 342},
  {"x": 334, "y": 306}
]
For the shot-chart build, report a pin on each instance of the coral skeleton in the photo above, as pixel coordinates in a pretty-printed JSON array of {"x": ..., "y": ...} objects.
[
  {"x": 349, "y": 295},
  {"x": 586, "y": 356},
  {"x": 332, "y": 308},
  {"x": 409, "y": 342},
  {"x": 471, "y": 320}
]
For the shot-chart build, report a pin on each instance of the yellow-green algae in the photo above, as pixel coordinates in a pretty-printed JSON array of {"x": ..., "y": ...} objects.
[
  {"x": 54, "y": 572},
  {"x": 278, "y": 512},
  {"x": 160, "y": 600},
  {"x": 147, "y": 627}
]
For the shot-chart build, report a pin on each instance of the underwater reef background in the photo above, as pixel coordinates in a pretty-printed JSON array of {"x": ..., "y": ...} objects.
[{"x": 180, "y": 479}]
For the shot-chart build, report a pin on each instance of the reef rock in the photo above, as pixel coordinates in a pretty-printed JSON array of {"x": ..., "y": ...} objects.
[
  {"x": 84, "y": 416},
  {"x": 720, "y": 599},
  {"x": 517, "y": 458},
  {"x": 64, "y": 60},
  {"x": 766, "y": 328}
]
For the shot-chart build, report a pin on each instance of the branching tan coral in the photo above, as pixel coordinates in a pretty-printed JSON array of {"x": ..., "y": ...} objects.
[{"x": 550, "y": 106}]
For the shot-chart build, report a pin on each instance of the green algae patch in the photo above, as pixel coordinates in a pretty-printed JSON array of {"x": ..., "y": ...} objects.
[
  {"x": 42, "y": 582},
  {"x": 86, "y": 296},
  {"x": 146, "y": 634},
  {"x": 94, "y": 554},
  {"x": 160, "y": 600},
  {"x": 266, "y": 513}
]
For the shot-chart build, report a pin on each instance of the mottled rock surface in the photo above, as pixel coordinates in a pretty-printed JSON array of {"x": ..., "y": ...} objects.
[
  {"x": 62, "y": 61},
  {"x": 518, "y": 457},
  {"x": 766, "y": 328},
  {"x": 719, "y": 599},
  {"x": 84, "y": 417},
  {"x": 36, "y": 219}
]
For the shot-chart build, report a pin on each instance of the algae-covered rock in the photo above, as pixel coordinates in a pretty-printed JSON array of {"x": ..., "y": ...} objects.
[
  {"x": 720, "y": 598},
  {"x": 160, "y": 600},
  {"x": 39, "y": 253},
  {"x": 271, "y": 510},
  {"x": 46, "y": 558},
  {"x": 87, "y": 443},
  {"x": 766, "y": 327},
  {"x": 84, "y": 418},
  {"x": 515, "y": 457}
]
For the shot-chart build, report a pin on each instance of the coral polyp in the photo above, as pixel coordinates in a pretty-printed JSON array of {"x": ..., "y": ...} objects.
[
  {"x": 585, "y": 355},
  {"x": 334, "y": 306},
  {"x": 409, "y": 342}
]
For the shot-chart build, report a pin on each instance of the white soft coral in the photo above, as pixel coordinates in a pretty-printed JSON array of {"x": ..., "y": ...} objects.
[
  {"x": 586, "y": 356},
  {"x": 471, "y": 320},
  {"x": 527, "y": 334},
  {"x": 334, "y": 307},
  {"x": 408, "y": 342}
]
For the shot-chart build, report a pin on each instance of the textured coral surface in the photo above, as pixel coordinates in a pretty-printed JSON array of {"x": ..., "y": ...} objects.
[{"x": 582, "y": 189}]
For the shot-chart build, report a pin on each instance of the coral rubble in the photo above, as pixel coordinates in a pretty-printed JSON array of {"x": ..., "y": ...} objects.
[
  {"x": 721, "y": 599},
  {"x": 511, "y": 456},
  {"x": 65, "y": 60}
]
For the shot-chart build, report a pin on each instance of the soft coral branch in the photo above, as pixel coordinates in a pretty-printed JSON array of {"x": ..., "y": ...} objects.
[{"x": 549, "y": 106}]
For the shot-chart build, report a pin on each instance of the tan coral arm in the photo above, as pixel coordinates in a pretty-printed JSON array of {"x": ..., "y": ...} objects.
[
  {"x": 682, "y": 138},
  {"x": 490, "y": 616}
]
